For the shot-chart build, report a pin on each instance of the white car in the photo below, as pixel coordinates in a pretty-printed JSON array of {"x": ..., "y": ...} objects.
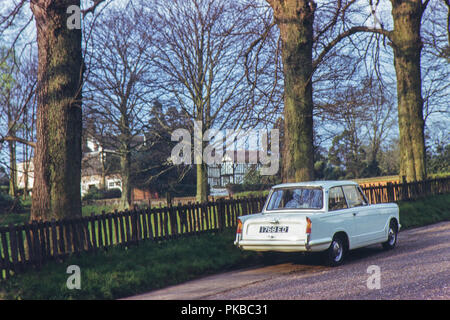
[{"x": 323, "y": 216}]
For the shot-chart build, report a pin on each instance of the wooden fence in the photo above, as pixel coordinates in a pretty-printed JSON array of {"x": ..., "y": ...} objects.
[
  {"x": 402, "y": 191},
  {"x": 33, "y": 244}
]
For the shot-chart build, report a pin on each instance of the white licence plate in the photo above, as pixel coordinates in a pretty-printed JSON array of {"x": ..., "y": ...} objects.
[{"x": 273, "y": 229}]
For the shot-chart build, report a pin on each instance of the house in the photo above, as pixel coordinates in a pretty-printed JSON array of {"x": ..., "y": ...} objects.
[
  {"x": 232, "y": 171},
  {"x": 100, "y": 169},
  {"x": 25, "y": 175}
]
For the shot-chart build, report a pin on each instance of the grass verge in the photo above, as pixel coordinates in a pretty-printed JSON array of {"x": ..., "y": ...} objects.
[
  {"x": 121, "y": 272},
  {"x": 425, "y": 211}
]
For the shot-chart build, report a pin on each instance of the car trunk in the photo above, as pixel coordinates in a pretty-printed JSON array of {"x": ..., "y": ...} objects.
[{"x": 290, "y": 226}]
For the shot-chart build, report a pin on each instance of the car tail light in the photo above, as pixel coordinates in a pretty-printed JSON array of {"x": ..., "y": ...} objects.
[
  {"x": 308, "y": 225},
  {"x": 239, "y": 227}
]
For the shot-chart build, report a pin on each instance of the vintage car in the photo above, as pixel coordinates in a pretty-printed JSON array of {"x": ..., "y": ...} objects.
[{"x": 332, "y": 217}]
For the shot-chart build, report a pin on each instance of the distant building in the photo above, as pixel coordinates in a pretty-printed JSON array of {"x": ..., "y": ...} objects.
[
  {"x": 25, "y": 175},
  {"x": 98, "y": 169},
  {"x": 229, "y": 171}
]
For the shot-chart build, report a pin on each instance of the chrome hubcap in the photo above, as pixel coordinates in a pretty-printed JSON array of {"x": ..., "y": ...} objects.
[
  {"x": 392, "y": 236},
  {"x": 337, "y": 251}
]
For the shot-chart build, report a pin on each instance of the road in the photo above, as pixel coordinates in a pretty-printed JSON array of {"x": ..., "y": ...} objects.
[{"x": 418, "y": 268}]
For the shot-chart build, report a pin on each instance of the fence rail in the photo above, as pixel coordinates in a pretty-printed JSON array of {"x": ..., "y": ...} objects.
[
  {"x": 402, "y": 191},
  {"x": 33, "y": 244}
]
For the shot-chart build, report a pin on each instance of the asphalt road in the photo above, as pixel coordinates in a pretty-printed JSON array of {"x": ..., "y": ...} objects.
[{"x": 418, "y": 268}]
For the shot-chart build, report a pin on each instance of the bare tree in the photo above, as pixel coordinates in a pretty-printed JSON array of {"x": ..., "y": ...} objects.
[
  {"x": 366, "y": 114},
  {"x": 119, "y": 86},
  {"x": 201, "y": 47},
  {"x": 17, "y": 97}
]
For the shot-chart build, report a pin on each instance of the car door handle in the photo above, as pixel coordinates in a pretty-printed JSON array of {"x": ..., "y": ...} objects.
[{"x": 355, "y": 213}]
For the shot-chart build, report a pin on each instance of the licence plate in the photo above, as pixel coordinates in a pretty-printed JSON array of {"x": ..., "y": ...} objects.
[{"x": 273, "y": 229}]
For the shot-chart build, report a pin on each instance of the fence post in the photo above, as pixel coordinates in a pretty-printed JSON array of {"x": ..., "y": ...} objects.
[
  {"x": 6, "y": 261},
  {"x": 221, "y": 214},
  {"x": 404, "y": 188},
  {"x": 390, "y": 192}
]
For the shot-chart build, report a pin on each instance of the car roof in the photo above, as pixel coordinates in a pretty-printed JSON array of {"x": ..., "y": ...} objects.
[{"x": 324, "y": 184}]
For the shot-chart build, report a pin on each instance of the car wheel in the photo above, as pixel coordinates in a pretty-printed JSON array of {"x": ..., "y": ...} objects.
[
  {"x": 334, "y": 256},
  {"x": 392, "y": 236}
]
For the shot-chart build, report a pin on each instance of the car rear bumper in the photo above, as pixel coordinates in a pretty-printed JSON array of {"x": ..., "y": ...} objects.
[{"x": 283, "y": 246}]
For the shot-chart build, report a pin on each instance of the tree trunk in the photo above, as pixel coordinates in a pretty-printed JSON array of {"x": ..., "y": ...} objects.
[
  {"x": 12, "y": 169},
  {"x": 295, "y": 19},
  {"x": 202, "y": 182},
  {"x": 57, "y": 162},
  {"x": 125, "y": 157},
  {"x": 12, "y": 153},
  {"x": 407, "y": 45},
  {"x": 125, "y": 169}
]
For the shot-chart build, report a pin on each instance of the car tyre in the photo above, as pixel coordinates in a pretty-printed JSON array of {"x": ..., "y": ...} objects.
[
  {"x": 392, "y": 236},
  {"x": 334, "y": 256}
]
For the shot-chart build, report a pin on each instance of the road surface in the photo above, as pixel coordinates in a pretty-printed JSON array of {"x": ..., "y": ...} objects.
[{"x": 418, "y": 268}]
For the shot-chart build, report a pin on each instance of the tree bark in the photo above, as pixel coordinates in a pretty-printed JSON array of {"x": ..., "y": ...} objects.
[
  {"x": 57, "y": 162},
  {"x": 407, "y": 46},
  {"x": 295, "y": 19},
  {"x": 202, "y": 182},
  {"x": 125, "y": 169},
  {"x": 125, "y": 139},
  {"x": 12, "y": 169}
]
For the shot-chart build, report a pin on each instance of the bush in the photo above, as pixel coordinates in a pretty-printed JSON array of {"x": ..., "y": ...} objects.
[
  {"x": 95, "y": 193},
  {"x": 7, "y": 204},
  {"x": 184, "y": 190},
  {"x": 236, "y": 188}
]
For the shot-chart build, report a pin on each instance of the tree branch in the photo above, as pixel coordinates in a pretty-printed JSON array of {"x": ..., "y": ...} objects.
[
  {"x": 344, "y": 35},
  {"x": 92, "y": 8},
  {"x": 20, "y": 140}
]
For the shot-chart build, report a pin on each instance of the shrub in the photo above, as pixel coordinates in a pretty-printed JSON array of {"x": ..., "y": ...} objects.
[
  {"x": 236, "y": 188},
  {"x": 184, "y": 190},
  {"x": 7, "y": 204},
  {"x": 95, "y": 193}
]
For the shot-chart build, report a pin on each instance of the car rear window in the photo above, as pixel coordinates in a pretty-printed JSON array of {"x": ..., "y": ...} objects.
[{"x": 296, "y": 198}]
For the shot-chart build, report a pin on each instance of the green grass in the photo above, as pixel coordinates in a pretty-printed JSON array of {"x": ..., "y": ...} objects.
[
  {"x": 121, "y": 272},
  {"x": 247, "y": 194},
  {"x": 425, "y": 211},
  {"x": 439, "y": 175},
  {"x": 96, "y": 209}
]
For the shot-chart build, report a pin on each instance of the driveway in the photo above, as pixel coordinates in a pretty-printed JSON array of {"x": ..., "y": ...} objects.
[{"x": 418, "y": 268}]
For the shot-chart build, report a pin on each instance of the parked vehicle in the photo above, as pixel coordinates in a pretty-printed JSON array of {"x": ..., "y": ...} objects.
[{"x": 332, "y": 217}]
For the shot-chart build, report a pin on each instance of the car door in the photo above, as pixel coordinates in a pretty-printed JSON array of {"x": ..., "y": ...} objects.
[
  {"x": 339, "y": 217},
  {"x": 365, "y": 230}
]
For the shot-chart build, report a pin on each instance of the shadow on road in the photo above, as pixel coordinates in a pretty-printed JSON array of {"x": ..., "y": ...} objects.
[{"x": 316, "y": 258}]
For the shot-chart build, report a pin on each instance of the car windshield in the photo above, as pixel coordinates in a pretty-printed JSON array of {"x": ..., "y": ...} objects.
[{"x": 296, "y": 198}]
